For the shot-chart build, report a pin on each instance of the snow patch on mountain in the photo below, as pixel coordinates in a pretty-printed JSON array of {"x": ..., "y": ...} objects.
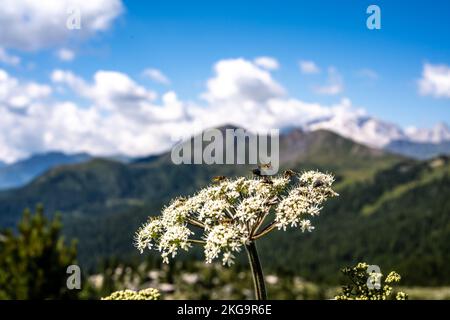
[
  {"x": 378, "y": 133},
  {"x": 438, "y": 134}
]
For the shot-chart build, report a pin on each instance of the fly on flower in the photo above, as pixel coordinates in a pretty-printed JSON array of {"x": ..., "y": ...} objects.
[
  {"x": 289, "y": 173},
  {"x": 265, "y": 166},
  {"x": 260, "y": 171},
  {"x": 218, "y": 178},
  {"x": 318, "y": 183}
]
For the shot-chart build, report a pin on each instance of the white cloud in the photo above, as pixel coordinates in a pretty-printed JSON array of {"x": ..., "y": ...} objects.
[
  {"x": 110, "y": 90},
  {"x": 65, "y": 54},
  {"x": 120, "y": 117},
  {"x": 266, "y": 106},
  {"x": 18, "y": 100},
  {"x": 117, "y": 115},
  {"x": 240, "y": 80},
  {"x": 32, "y": 25},
  {"x": 334, "y": 85},
  {"x": 435, "y": 81},
  {"x": 19, "y": 96},
  {"x": 308, "y": 67},
  {"x": 268, "y": 63},
  {"x": 156, "y": 75},
  {"x": 7, "y": 58}
]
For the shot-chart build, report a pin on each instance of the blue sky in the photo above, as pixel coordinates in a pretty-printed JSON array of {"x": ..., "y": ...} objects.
[
  {"x": 185, "y": 39},
  {"x": 378, "y": 70}
]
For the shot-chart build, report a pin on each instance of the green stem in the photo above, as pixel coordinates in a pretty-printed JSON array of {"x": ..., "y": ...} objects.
[{"x": 258, "y": 276}]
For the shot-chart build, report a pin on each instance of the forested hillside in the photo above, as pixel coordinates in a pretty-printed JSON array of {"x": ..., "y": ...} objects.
[{"x": 391, "y": 211}]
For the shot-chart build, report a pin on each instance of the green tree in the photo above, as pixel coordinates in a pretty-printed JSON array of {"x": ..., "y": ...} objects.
[{"x": 34, "y": 259}]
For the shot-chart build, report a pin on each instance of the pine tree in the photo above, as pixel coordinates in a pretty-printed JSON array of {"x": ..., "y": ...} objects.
[{"x": 34, "y": 259}]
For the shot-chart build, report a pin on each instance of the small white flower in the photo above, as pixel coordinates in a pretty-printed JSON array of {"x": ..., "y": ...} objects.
[
  {"x": 228, "y": 259},
  {"x": 147, "y": 234},
  {"x": 305, "y": 225}
]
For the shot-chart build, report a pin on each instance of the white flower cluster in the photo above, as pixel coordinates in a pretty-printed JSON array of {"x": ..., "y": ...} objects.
[
  {"x": 166, "y": 233},
  {"x": 146, "y": 294},
  {"x": 304, "y": 200},
  {"x": 224, "y": 237},
  {"x": 234, "y": 212}
]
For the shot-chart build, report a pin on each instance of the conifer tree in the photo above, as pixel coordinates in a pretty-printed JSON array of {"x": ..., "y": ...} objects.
[{"x": 34, "y": 259}]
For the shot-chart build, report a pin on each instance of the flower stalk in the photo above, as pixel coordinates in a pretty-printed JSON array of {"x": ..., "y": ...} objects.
[{"x": 257, "y": 272}]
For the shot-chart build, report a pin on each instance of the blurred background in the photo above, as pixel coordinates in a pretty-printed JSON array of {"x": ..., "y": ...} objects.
[{"x": 93, "y": 96}]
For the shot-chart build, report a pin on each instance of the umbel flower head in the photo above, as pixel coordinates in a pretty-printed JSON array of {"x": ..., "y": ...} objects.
[{"x": 227, "y": 215}]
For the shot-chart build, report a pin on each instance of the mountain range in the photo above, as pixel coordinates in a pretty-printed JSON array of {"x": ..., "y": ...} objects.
[
  {"x": 20, "y": 173},
  {"x": 373, "y": 132},
  {"x": 369, "y": 131},
  {"x": 376, "y": 132},
  {"x": 392, "y": 210}
]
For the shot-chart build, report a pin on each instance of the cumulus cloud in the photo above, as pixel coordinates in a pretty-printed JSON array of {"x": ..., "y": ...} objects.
[
  {"x": 7, "y": 58},
  {"x": 118, "y": 117},
  {"x": 113, "y": 114},
  {"x": 156, "y": 75},
  {"x": 435, "y": 81},
  {"x": 110, "y": 90},
  {"x": 18, "y": 101},
  {"x": 308, "y": 67},
  {"x": 32, "y": 25},
  {"x": 240, "y": 80},
  {"x": 265, "y": 107},
  {"x": 268, "y": 63},
  {"x": 16, "y": 96},
  {"x": 334, "y": 85},
  {"x": 65, "y": 54}
]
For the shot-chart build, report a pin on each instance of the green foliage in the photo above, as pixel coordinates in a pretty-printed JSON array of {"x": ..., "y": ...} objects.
[
  {"x": 34, "y": 261},
  {"x": 367, "y": 285}
]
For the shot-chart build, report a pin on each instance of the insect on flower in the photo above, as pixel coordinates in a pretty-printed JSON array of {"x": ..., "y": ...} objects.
[
  {"x": 289, "y": 173},
  {"x": 218, "y": 178}
]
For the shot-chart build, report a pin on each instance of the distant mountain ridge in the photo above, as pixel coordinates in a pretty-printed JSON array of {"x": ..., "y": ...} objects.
[
  {"x": 369, "y": 131},
  {"x": 438, "y": 134},
  {"x": 20, "y": 173},
  {"x": 419, "y": 150},
  {"x": 379, "y": 133},
  {"x": 411, "y": 142},
  {"x": 414, "y": 143}
]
